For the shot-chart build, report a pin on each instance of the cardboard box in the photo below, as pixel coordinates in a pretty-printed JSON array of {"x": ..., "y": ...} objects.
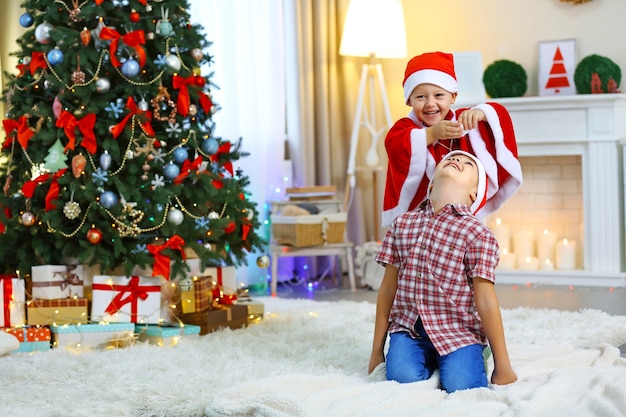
[
  {"x": 234, "y": 317},
  {"x": 50, "y": 282},
  {"x": 166, "y": 334},
  {"x": 60, "y": 311},
  {"x": 32, "y": 339},
  {"x": 93, "y": 335},
  {"x": 121, "y": 299},
  {"x": 13, "y": 297}
]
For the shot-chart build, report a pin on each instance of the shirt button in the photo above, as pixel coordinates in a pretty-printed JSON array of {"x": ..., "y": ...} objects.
[{"x": 423, "y": 246}]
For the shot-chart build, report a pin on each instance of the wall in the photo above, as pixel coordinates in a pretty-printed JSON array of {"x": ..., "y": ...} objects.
[{"x": 507, "y": 29}]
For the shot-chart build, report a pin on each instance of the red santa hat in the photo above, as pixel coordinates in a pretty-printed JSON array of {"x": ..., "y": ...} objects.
[
  {"x": 481, "y": 190},
  {"x": 430, "y": 68}
]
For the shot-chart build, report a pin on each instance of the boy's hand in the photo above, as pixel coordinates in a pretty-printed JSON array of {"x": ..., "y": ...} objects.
[
  {"x": 470, "y": 118},
  {"x": 503, "y": 376},
  {"x": 444, "y": 129},
  {"x": 375, "y": 360}
]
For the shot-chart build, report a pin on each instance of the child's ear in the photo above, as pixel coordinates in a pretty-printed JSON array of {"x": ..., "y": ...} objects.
[{"x": 473, "y": 195}]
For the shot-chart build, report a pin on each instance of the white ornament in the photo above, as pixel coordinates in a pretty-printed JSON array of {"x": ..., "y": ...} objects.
[
  {"x": 175, "y": 217},
  {"x": 173, "y": 62}
]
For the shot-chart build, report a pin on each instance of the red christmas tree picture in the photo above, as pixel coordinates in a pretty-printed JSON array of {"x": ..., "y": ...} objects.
[{"x": 558, "y": 73}]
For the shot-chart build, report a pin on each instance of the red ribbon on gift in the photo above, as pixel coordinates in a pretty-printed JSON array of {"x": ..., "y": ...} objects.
[
  {"x": 133, "y": 39},
  {"x": 161, "y": 264},
  {"x": 28, "y": 189},
  {"x": 133, "y": 292},
  {"x": 134, "y": 111},
  {"x": 69, "y": 123},
  {"x": 218, "y": 292},
  {"x": 187, "y": 168},
  {"x": 7, "y": 288},
  {"x": 183, "y": 101}
]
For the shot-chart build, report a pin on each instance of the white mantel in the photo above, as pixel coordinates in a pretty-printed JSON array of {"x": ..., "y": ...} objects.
[{"x": 594, "y": 127}]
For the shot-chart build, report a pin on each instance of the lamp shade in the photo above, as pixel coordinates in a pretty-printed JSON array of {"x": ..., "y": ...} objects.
[{"x": 374, "y": 28}]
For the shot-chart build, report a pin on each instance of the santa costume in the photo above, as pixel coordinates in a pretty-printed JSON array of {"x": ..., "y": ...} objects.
[{"x": 412, "y": 163}]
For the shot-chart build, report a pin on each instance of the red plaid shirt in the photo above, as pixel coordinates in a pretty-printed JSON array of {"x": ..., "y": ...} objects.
[{"x": 437, "y": 256}]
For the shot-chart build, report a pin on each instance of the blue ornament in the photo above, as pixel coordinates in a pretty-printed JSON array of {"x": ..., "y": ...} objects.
[
  {"x": 210, "y": 146},
  {"x": 164, "y": 28},
  {"x": 105, "y": 160},
  {"x": 171, "y": 171},
  {"x": 180, "y": 155},
  {"x": 55, "y": 56},
  {"x": 26, "y": 20},
  {"x": 130, "y": 68},
  {"x": 108, "y": 199}
]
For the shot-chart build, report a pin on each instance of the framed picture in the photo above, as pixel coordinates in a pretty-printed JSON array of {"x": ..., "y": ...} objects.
[
  {"x": 557, "y": 63},
  {"x": 468, "y": 67}
]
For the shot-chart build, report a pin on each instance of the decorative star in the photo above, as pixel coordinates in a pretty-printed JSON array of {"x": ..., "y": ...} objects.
[
  {"x": 147, "y": 149},
  {"x": 141, "y": 248},
  {"x": 158, "y": 181},
  {"x": 173, "y": 129},
  {"x": 202, "y": 223},
  {"x": 100, "y": 177},
  {"x": 160, "y": 62},
  {"x": 159, "y": 156},
  {"x": 116, "y": 108}
]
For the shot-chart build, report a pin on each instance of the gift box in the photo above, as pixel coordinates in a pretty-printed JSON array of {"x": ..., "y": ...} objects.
[
  {"x": 169, "y": 334},
  {"x": 196, "y": 294},
  {"x": 93, "y": 335},
  {"x": 59, "y": 311},
  {"x": 32, "y": 339},
  {"x": 224, "y": 276},
  {"x": 232, "y": 316},
  {"x": 13, "y": 296},
  {"x": 256, "y": 310},
  {"x": 50, "y": 282},
  {"x": 123, "y": 299}
]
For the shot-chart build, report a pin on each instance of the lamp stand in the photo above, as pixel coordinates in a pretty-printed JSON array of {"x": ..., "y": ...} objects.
[{"x": 370, "y": 73}]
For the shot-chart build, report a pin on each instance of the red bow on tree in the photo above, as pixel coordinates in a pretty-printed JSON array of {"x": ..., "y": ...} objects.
[
  {"x": 161, "y": 264},
  {"x": 183, "y": 101},
  {"x": 187, "y": 168},
  {"x": 133, "y": 39},
  {"x": 69, "y": 123},
  {"x": 24, "y": 132},
  {"x": 53, "y": 193},
  {"x": 36, "y": 61},
  {"x": 223, "y": 149},
  {"x": 134, "y": 111}
]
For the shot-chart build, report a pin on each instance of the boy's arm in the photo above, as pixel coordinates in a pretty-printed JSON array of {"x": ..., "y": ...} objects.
[
  {"x": 489, "y": 312},
  {"x": 386, "y": 295}
]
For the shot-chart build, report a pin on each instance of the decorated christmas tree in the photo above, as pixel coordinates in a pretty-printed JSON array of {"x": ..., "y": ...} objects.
[{"x": 110, "y": 156}]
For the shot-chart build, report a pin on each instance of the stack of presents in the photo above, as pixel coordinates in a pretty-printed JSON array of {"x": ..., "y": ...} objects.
[{"x": 61, "y": 306}]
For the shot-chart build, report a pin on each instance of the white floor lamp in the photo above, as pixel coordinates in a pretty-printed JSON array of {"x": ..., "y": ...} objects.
[{"x": 373, "y": 29}]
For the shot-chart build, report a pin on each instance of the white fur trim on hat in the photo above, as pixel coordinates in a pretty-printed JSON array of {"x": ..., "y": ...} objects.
[{"x": 435, "y": 77}]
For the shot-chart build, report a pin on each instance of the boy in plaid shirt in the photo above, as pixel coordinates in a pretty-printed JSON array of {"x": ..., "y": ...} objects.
[{"x": 437, "y": 300}]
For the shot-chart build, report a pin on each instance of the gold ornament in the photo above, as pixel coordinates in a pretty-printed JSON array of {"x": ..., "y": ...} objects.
[
  {"x": 162, "y": 101},
  {"x": 28, "y": 218},
  {"x": 263, "y": 261},
  {"x": 71, "y": 209}
]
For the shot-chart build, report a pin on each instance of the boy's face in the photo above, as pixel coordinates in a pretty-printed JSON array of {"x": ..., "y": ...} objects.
[
  {"x": 462, "y": 170},
  {"x": 431, "y": 103}
]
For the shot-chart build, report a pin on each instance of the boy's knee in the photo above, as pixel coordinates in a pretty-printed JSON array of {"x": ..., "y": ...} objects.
[
  {"x": 460, "y": 382},
  {"x": 405, "y": 374}
]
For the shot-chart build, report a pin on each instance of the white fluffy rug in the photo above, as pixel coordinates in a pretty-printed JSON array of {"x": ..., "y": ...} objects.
[{"x": 309, "y": 358}]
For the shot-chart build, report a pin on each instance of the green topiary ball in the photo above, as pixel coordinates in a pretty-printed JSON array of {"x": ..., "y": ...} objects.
[
  {"x": 504, "y": 78},
  {"x": 597, "y": 74}
]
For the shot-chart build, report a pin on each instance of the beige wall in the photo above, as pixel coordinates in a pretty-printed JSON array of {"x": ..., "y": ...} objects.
[
  {"x": 10, "y": 30},
  {"x": 508, "y": 29}
]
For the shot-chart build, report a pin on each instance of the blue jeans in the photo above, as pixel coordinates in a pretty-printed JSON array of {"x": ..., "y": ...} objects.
[{"x": 411, "y": 360}]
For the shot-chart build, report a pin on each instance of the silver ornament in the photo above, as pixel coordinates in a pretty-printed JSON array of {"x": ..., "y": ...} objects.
[
  {"x": 103, "y": 85},
  {"x": 185, "y": 284},
  {"x": 42, "y": 33},
  {"x": 263, "y": 261},
  {"x": 173, "y": 62},
  {"x": 175, "y": 217}
]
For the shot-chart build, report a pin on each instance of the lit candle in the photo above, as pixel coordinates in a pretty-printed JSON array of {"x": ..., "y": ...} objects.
[
  {"x": 523, "y": 243},
  {"x": 566, "y": 254},
  {"x": 507, "y": 260},
  {"x": 502, "y": 232},
  {"x": 547, "y": 265},
  {"x": 546, "y": 242},
  {"x": 528, "y": 263}
]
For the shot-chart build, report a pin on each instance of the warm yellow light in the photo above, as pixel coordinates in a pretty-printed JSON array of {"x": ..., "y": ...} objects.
[{"x": 374, "y": 28}]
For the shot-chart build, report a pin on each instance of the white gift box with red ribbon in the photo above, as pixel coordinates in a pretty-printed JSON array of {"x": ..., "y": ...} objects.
[
  {"x": 223, "y": 276},
  {"x": 12, "y": 294},
  {"x": 51, "y": 282},
  {"x": 121, "y": 299}
]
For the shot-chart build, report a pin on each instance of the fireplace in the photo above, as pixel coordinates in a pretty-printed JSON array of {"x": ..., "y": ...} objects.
[{"x": 587, "y": 133}]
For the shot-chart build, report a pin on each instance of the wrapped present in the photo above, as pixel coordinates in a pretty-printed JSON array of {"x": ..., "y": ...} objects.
[
  {"x": 168, "y": 334},
  {"x": 13, "y": 296},
  {"x": 232, "y": 316},
  {"x": 196, "y": 294},
  {"x": 32, "y": 339},
  {"x": 123, "y": 299},
  {"x": 59, "y": 311},
  {"x": 93, "y": 335},
  {"x": 50, "y": 282},
  {"x": 256, "y": 310}
]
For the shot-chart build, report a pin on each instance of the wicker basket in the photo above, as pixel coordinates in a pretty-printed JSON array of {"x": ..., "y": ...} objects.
[{"x": 312, "y": 230}]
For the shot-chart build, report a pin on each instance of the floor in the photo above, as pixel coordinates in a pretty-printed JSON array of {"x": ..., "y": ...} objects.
[{"x": 610, "y": 300}]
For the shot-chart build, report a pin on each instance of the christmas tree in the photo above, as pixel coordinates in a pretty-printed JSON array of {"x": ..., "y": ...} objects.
[{"x": 110, "y": 155}]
